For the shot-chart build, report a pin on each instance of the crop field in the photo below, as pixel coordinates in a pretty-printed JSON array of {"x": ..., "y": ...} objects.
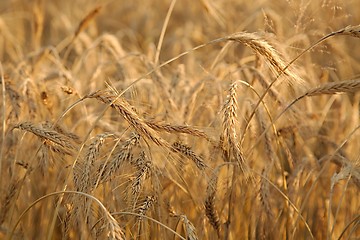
[{"x": 165, "y": 119}]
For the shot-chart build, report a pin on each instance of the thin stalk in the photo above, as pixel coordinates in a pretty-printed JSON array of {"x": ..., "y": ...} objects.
[{"x": 163, "y": 30}]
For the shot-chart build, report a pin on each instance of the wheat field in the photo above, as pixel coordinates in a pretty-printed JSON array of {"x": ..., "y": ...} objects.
[{"x": 167, "y": 119}]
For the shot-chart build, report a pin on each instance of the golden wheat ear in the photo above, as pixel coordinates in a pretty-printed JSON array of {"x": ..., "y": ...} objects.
[
  {"x": 210, "y": 209},
  {"x": 47, "y": 134},
  {"x": 229, "y": 137},
  {"x": 350, "y": 86}
]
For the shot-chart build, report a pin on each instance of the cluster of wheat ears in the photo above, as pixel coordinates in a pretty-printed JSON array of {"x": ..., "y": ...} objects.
[{"x": 157, "y": 120}]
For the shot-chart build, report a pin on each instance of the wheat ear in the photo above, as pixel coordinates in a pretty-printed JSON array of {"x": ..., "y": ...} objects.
[
  {"x": 334, "y": 87},
  {"x": 186, "y": 151},
  {"x": 127, "y": 112},
  {"x": 229, "y": 139},
  {"x": 178, "y": 129},
  {"x": 210, "y": 209},
  {"x": 263, "y": 48},
  {"x": 122, "y": 153},
  {"x": 47, "y": 134}
]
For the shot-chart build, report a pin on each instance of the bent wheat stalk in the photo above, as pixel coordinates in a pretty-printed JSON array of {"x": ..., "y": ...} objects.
[
  {"x": 353, "y": 31},
  {"x": 115, "y": 231},
  {"x": 348, "y": 86},
  {"x": 151, "y": 219}
]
